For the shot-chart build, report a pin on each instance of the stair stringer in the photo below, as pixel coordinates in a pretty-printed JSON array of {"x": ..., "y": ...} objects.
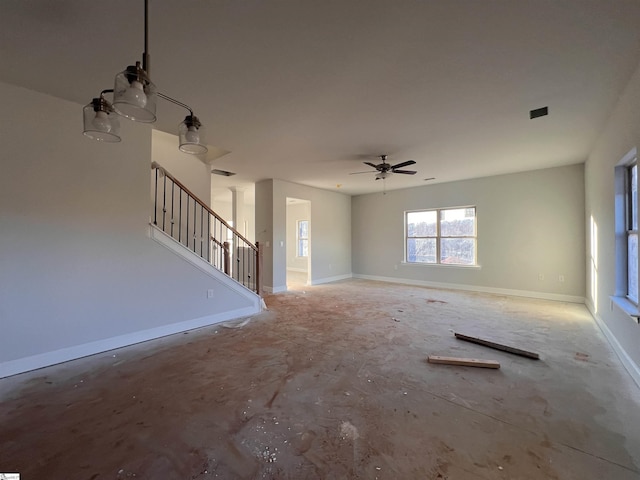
[{"x": 194, "y": 259}]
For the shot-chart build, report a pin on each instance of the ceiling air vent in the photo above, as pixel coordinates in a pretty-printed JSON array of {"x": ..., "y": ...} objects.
[
  {"x": 224, "y": 173},
  {"x": 539, "y": 112}
]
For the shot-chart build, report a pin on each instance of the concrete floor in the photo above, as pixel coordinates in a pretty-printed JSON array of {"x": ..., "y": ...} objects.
[{"x": 332, "y": 383}]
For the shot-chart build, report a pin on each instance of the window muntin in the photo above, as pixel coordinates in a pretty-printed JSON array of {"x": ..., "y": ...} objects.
[
  {"x": 445, "y": 236},
  {"x": 302, "y": 234}
]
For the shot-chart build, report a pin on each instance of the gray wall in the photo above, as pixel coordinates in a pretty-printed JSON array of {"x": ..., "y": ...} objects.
[
  {"x": 193, "y": 173},
  {"x": 529, "y": 224},
  {"x": 621, "y": 134},
  {"x": 331, "y": 231},
  {"x": 77, "y": 266}
]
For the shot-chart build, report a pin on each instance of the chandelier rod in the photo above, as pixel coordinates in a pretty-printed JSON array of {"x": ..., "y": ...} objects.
[{"x": 145, "y": 56}]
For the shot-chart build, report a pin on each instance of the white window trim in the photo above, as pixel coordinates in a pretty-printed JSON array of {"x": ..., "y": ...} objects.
[
  {"x": 441, "y": 265},
  {"x": 475, "y": 264}
]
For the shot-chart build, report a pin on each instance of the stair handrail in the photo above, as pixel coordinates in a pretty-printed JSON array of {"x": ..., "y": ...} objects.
[{"x": 157, "y": 166}]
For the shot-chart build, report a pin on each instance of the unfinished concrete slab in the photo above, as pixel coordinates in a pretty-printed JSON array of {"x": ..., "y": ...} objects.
[{"x": 332, "y": 382}]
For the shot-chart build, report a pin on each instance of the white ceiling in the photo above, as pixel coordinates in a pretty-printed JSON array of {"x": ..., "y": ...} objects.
[{"x": 305, "y": 90}]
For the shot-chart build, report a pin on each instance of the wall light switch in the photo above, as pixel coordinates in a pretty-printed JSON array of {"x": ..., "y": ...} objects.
[
  {"x": 281, "y": 243},
  {"x": 210, "y": 293}
]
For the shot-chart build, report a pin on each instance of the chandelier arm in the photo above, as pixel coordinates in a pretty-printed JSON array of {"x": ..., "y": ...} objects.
[
  {"x": 177, "y": 102},
  {"x": 108, "y": 90}
]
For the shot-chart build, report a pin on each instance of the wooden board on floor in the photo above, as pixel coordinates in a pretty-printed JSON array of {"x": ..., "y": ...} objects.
[
  {"x": 497, "y": 346},
  {"x": 465, "y": 362}
]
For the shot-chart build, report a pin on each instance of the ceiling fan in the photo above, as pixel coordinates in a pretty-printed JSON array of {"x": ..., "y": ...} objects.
[{"x": 384, "y": 169}]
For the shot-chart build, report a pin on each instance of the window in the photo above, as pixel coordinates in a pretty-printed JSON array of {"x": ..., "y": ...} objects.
[
  {"x": 303, "y": 238},
  {"x": 627, "y": 285},
  {"x": 631, "y": 219},
  {"x": 441, "y": 236}
]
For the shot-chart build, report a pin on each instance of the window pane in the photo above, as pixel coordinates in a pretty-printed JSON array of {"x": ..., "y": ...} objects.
[
  {"x": 422, "y": 224},
  {"x": 458, "y": 222},
  {"x": 633, "y": 208},
  {"x": 458, "y": 251},
  {"x": 421, "y": 250},
  {"x": 632, "y": 266},
  {"x": 303, "y": 229},
  {"x": 303, "y": 248}
]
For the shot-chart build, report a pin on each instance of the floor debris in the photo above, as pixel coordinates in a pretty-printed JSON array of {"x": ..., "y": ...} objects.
[
  {"x": 237, "y": 324},
  {"x": 465, "y": 362},
  {"x": 497, "y": 346}
]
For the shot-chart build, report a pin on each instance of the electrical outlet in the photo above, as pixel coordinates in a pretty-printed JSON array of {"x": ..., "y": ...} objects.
[
  {"x": 210, "y": 293},
  {"x": 561, "y": 278}
]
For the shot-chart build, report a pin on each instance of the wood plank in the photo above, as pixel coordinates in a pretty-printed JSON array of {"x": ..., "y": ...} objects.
[
  {"x": 465, "y": 362},
  {"x": 497, "y": 346}
]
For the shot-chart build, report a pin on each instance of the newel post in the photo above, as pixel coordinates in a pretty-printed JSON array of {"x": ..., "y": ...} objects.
[{"x": 259, "y": 269}]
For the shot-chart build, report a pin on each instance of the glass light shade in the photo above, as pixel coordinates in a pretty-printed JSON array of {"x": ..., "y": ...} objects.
[
  {"x": 191, "y": 133},
  {"x": 134, "y": 95},
  {"x": 100, "y": 124}
]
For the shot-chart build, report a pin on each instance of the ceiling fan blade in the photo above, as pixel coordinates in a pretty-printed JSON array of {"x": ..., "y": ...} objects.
[
  {"x": 406, "y": 172},
  {"x": 370, "y": 164},
  {"x": 358, "y": 173},
  {"x": 403, "y": 164}
]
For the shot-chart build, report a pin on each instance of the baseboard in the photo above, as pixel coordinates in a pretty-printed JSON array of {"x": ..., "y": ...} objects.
[
  {"x": 473, "y": 288},
  {"x": 15, "y": 367},
  {"x": 279, "y": 289},
  {"x": 319, "y": 281},
  {"x": 627, "y": 361}
]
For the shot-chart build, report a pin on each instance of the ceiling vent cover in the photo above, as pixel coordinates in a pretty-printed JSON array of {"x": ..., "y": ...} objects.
[
  {"x": 538, "y": 112},
  {"x": 224, "y": 173}
]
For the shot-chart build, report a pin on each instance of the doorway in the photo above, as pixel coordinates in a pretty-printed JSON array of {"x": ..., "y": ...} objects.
[{"x": 298, "y": 243}]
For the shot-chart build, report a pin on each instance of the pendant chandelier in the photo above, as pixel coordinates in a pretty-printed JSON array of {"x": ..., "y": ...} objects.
[{"x": 134, "y": 97}]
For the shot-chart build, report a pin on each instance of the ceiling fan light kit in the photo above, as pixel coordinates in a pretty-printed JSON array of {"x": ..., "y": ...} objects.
[{"x": 135, "y": 97}]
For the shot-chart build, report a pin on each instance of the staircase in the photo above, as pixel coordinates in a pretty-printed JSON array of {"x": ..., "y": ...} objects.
[{"x": 189, "y": 221}]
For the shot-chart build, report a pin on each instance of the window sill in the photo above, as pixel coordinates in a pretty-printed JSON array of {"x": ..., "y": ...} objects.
[
  {"x": 627, "y": 306},
  {"x": 441, "y": 265}
]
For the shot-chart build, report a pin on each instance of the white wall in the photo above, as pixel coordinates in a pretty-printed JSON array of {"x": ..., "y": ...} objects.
[
  {"x": 331, "y": 231},
  {"x": 621, "y": 134},
  {"x": 225, "y": 210},
  {"x": 265, "y": 229},
  {"x": 529, "y": 224},
  {"x": 188, "y": 169},
  {"x": 295, "y": 212},
  {"x": 77, "y": 267}
]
